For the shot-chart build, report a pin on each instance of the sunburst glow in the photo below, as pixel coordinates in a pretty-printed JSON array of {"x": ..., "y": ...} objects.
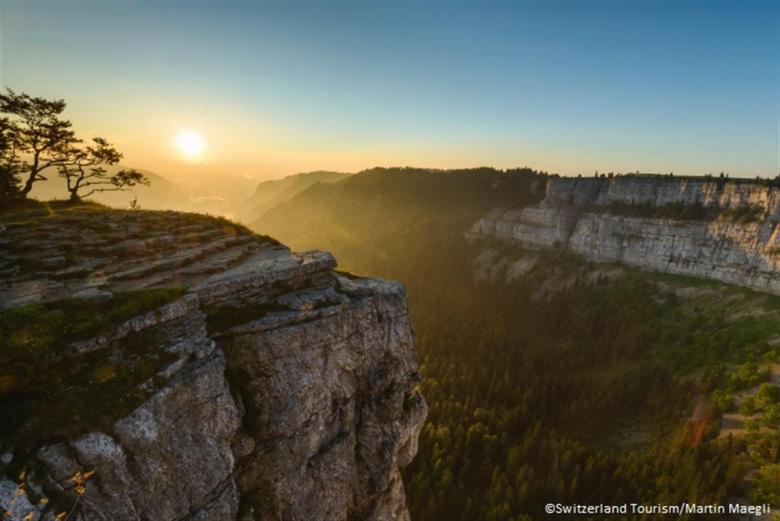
[{"x": 190, "y": 144}]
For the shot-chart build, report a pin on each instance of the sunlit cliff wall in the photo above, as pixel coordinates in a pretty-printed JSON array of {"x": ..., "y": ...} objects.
[{"x": 711, "y": 228}]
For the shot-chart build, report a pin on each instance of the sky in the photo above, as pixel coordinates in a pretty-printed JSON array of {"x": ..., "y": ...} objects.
[{"x": 275, "y": 88}]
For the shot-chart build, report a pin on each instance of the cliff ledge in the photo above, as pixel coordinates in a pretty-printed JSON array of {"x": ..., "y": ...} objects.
[{"x": 167, "y": 366}]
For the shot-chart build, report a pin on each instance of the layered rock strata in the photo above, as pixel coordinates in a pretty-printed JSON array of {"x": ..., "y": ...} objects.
[
  {"x": 282, "y": 390},
  {"x": 717, "y": 229}
]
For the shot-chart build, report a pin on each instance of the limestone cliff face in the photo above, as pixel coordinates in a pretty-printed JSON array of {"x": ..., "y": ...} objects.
[
  {"x": 282, "y": 390},
  {"x": 331, "y": 441},
  {"x": 662, "y": 190},
  {"x": 722, "y": 230}
]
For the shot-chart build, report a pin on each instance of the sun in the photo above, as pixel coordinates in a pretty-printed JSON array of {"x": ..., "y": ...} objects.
[{"x": 190, "y": 144}]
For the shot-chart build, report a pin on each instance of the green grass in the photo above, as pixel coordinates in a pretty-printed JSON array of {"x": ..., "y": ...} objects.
[
  {"x": 720, "y": 339},
  {"x": 681, "y": 280},
  {"x": 42, "y": 330},
  {"x": 45, "y": 393},
  {"x": 71, "y": 396},
  {"x": 702, "y": 334},
  {"x": 718, "y": 329}
]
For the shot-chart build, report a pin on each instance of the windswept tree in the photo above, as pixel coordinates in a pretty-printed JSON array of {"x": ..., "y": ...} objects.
[
  {"x": 37, "y": 136},
  {"x": 84, "y": 170},
  {"x": 34, "y": 139}
]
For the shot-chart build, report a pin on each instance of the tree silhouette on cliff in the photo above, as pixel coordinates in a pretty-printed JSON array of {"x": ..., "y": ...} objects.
[{"x": 36, "y": 139}]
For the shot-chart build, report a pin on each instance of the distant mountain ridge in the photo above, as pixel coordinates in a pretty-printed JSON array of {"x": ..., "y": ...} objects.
[
  {"x": 713, "y": 228},
  {"x": 161, "y": 193},
  {"x": 382, "y": 210},
  {"x": 270, "y": 193},
  {"x": 213, "y": 193}
]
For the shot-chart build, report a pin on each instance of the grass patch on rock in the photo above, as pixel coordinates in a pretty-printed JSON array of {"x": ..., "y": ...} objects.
[
  {"x": 39, "y": 330},
  {"x": 46, "y": 393}
]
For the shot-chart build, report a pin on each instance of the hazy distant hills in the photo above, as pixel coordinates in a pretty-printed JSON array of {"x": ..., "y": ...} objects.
[
  {"x": 270, "y": 193},
  {"x": 214, "y": 193},
  {"x": 160, "y": 194},
  {"x": 206, "y": 193},
  {"x": 724, "y": 230},
  {"x": 384, "y": 212}
]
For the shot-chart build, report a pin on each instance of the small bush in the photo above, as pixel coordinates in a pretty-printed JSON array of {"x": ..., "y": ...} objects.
[
  {"x": 765, "y": 487},
  {"x": 771, "y": 417},
  {"x": 748, "y": 375},
  {"x": 748, "y": 406},
  {"x": 723, "y": 400}
]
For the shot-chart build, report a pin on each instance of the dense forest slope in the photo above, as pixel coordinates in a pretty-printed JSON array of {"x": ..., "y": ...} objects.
[
  {"x": 168, "y": 366},
  {"x": 551, "y": 378}
]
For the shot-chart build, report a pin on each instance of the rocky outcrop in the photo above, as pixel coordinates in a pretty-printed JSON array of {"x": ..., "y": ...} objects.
[
  {"x": 273, "y": 388},
  {"x": 170, "y": 458},
  {"x": 329, "y": 445},
  {"x": 741, "y": 254},
  {"x": 717, "y": 229}
]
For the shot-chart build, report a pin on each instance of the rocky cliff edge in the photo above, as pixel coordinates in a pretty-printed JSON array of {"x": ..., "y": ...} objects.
[{"x": 168, "y": 366}]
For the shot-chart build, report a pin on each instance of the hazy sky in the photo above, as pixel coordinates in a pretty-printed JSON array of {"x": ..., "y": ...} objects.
[{"x": 280, "y": 87}]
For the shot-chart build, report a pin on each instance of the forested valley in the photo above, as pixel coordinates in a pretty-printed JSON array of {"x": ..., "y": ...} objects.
[{"x": 571, "y": 383}]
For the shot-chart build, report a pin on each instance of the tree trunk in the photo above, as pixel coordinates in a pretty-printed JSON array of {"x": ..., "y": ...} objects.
[{"x": 28, "y": 185}]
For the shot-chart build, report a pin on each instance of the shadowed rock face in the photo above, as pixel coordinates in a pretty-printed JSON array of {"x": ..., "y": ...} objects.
[
  {"x": 602, "y": 220},
  {"x": 287, "y": 390},
  {"x": 330, "y": 442}
]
